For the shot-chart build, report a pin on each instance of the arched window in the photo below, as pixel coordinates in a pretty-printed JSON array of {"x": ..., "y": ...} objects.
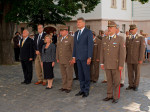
[{"x": 113, "y": 4}]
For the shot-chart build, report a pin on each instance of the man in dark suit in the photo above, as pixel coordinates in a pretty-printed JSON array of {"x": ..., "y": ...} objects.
[
  {"x": 82, "y": 54},
  {"x": 54, "y": 38},
  {"x": 26, "y": 56},
  {"x": 38, "y": 44}
]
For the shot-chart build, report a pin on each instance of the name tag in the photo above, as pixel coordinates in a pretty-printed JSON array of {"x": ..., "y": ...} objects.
[
  {"x": 114, "y": 43},
  {"x": 95, "y": 44},
  {"x": 66, "y": 41},
  {"x": 137, "y": 41}
]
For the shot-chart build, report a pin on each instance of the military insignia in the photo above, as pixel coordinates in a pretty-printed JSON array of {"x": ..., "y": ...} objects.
[
  {"x": 66, "y": 41},
  {"x": 67, "y": 37},
  {"x": 114, "y": 43},
  {"x": 137, "y": 41},
  {"x": 115, "y": 36},
  {"x": 104, "y": 43},
  {"x": 130, "y": 36}
]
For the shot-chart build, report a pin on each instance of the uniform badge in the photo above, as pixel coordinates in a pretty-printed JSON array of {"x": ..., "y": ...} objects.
[{"x": 114, "y": 43}]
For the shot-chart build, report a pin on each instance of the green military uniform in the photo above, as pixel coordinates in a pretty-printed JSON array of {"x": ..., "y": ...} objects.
[
  {"x": 135, "y": 47},
  {"x": 112, "y": 55}
]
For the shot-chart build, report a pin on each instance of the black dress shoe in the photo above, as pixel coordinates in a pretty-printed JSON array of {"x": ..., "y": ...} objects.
[
  {"x": 62, "y": 89},
  {"x": 79, "y": 94},
  {"x": 107, "y": 99},
  {"x": 48, "y": 88},
  {"x": 135, "y": 88},
  {"x": 23, "y": 82},
  {"x": 28, "y": 82},
  {"x": 94, "y": 82},
  {"x": 68, "y": 91},
  {"x": 75, "y": 78},
  {"x": 115, "y": 101},
  {"x": 121, "y": 85},
  {"x": 85, "y": 95},
  {"x": 129, "y": 88}
]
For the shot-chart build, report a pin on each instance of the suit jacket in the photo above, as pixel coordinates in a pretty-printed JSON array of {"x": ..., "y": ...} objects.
[
  {"x": 113, "y": 52},
  {"x": 16, "y": 40},
  {"x": 83, "y": 47},
  {"x": 40, "y": 45},
  {"x": 135, "y": 49},
  {"x": 64, "y": 49},
  {"x": 27, "y": 50},
  {"x": 54, "y": 38},
  {"x": 96, "y": 49}
]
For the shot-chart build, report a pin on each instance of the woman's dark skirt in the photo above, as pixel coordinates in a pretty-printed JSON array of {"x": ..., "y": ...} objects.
[{"x": 48, "y": 70}]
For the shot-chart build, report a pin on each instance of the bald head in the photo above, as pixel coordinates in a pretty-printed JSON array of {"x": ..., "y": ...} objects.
[{"x": 25, "y": 33}]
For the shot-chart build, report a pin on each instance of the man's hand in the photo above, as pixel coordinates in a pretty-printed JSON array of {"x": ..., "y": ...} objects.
[
  {"x": 57, "y": 61},
  {"x": 73, "y": 60},
  {"x": 37, "y": 53},
  {"x": 30, "y": 59},
  {"x": 88, "y": 61},
  {"x": 53, "y": 64},
  {"x": 102, "y": 67},
  {"x": 120, "y": 68},
  {"x": 140, "y": 62}
]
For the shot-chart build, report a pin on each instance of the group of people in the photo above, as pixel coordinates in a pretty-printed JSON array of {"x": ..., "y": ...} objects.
[{"x": 86, "y": 53}]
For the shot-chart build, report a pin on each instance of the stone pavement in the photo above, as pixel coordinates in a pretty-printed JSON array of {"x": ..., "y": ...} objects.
[{"x": 15, "y": 97}]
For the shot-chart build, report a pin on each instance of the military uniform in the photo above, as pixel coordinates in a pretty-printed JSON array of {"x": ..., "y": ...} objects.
[
  {"x": 112, "y": 55},
  {"x": 94, "y": 73},
  {"x": 64, "y": 55},
  {"x": 135, "y": 47}
]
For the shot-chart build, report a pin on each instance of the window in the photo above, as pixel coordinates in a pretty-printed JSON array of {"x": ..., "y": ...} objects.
[
  {"x": 123, "y": 28},
  {"x": 123, "y": 4},
  {"x": 113, "y": 4}
]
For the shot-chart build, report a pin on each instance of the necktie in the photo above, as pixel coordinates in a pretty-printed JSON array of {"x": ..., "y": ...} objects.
[
  {"x": 22, "y": 42},
  {"x": 110, "y": 38},
  {"x": 132, "y": 37},
  {"x": 39, "y": 38},
  {"x": 79, "y": 34}
]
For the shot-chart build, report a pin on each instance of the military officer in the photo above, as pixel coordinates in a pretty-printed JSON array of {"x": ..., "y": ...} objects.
[
  {"x": 64, "y": 56},
  {"x": 94, "y": 73},
  {"x": 112, "y": 58},
  {"x": 135, "y": 47}
]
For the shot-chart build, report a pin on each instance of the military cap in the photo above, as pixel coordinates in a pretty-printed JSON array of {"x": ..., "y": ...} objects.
[
  {"x": 63, "y": 28},
  {"x": 132, "y": 26},
  {"x": 111, "y": 24}
]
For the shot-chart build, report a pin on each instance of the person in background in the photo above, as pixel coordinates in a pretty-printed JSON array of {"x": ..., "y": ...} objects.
[
  {"x": 48, "y": 58},
  {"x": 148, "y": 48},
  {"x": 101, "y": 34},
  {"x": 94, "y": 67},
  {"x": 38, "y": 44},
  {"x": 32, "y": 36},
  {"x": 26, "y": 56},
  {"x": 16, "y": 40},
  {"x": 54, "y": 38}
]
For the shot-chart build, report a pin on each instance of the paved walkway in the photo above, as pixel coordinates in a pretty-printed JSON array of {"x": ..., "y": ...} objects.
[{"x": 15, "y": 97}]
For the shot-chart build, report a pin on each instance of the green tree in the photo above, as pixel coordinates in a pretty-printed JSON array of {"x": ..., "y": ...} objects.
[{"x": 36, "y": 12}]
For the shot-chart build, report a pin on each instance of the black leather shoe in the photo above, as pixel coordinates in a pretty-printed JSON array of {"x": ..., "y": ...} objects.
[
  {"x": 129, "y": 88},
  {"x": 48, "y": 88},
  {"x": 68, "y": 91},
  {"x": 23, "y": 82},
  {"x": 135, "y": 88},
  {"x": 79, "y": 94},
  {"x": 107, "y": 99},
  {"x": 75, "y": 78},
  {"x": 62, "y": 89},
  {"x": 121, "y": 85},
  {"x": 85, "y": 95},
  {"x": 28, "y": 82},
  {"x": 115, "y": 101}
]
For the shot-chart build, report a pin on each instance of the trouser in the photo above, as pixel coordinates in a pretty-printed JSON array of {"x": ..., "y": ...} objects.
[
  {"x": 133, "y": 74},
  {"x": 76, "y": 70},
  {"x": 27, "y": 70},
  {"x": 113, "y": 83},
  {"x": 84, "y": 75},
  {"x": 67, "y": 76},
  {"x": 17, "y": 53},
  {"x": 39, "y": 70},
  {"x": 94, "y": 73},
  {"x": 123, "y": 75}
]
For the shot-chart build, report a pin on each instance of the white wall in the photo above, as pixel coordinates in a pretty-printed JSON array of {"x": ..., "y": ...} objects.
[
  {"x": 96, "y": 14},
  {"x": 141, "y": 11},
  {"x": 116, "y": 13}
]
